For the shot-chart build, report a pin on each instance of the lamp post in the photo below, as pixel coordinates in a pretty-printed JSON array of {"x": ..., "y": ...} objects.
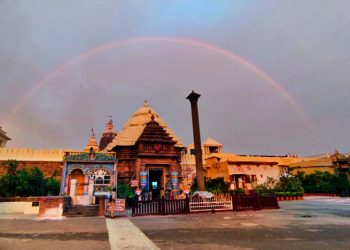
[{"x": 193, "y": 98}]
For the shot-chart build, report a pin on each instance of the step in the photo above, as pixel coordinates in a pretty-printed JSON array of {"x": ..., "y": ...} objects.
[{"x": 81, "y": 211}]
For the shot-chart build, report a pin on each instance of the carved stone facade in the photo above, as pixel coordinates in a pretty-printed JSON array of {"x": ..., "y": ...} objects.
[
  {"x": 154, "y": 157},
  {"x": 148, "y": 152},
  {"x": 88, "y": 174}
]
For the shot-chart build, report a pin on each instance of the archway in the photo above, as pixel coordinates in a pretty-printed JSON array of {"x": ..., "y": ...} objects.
[{"x": 79, "y": 176}]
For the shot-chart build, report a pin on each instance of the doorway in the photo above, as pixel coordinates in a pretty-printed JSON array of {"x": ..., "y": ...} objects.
[
  {"x": 155, "y": 184},
  {"x": 79, "y": 176}
]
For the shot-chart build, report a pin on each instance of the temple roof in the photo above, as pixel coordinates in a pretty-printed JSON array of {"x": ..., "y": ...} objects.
[
  {"x": 135, "y": 125},
  {"x": 155, "y": 133},
  {"x": 92, "y": 143},
  {"x": 3, "y": 134},
  {"x": 109, "y": 129},
  {"x": 108, "y": 135}
]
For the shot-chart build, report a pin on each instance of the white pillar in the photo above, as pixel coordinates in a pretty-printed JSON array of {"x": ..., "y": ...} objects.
[
  {"x": 73, "y": 185},
  {"x": 91, "y": 187},
  {"x": 86, "y": 181}
]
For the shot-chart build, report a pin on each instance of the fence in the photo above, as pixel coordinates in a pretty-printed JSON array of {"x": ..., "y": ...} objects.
[
  {"x": 254, "y": 202},
  {"x": 215, "y": 203},
  {"x": 160, "y": 207},
  {"x": 218, "y": 203}
]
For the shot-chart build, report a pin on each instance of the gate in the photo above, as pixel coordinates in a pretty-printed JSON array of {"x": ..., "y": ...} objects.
[
  {"x": 254, "y": 202},
  {"x": 215, "y": 203}
]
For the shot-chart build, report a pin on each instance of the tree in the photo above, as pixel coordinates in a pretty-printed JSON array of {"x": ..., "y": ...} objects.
[
  {"x": 27, "y": 183},
  {"x": 9, "y": 182},
  {"x": 289, "y": 184},
  {"x": 216, "y": 186}
]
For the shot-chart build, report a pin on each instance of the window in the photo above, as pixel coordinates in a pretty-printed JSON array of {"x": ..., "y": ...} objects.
[
  {"x": 254, "y": 179},
  {"x": 107, "y": 180},
  {"x": 246, "y": 178},
  {"x": 99, "y": 180},
  {"x": 148, "y": 147},
  {"x": 213, "y": 150},
  {"x": 192, "y": 151},
  {"x": 103, "y": 179}
]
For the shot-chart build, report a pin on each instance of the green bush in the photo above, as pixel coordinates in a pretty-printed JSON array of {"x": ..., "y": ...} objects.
[
  {"x": 324, "y": 182},
  {"x": 125, "y": 191},
  {"x": 216, "y": 186},
  {"x": 26, "y": 183},
  {"x": 237, "y": 191},
  {"x": 53, "y": 186},
  {"x": 289, "y": 184},
  {"x": 267, "y": 188}
]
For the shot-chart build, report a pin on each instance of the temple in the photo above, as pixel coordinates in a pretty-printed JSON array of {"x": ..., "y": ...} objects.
[
  {"x": 149, "y": 153},
  {"x": 89, "y": 174}
]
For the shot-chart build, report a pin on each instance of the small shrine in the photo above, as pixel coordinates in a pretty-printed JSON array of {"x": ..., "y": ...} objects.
[{"x": 88, "y": 174}]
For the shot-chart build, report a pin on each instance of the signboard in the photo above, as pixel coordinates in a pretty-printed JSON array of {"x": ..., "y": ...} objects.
[
  {"x": 101, "y": 193},
  {"x": 120, "y": 205},
  {"x": 134, "y": 183}
]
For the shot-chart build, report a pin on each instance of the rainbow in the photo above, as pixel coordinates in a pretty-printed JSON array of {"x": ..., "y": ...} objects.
[{"x": 174, "y": 40}]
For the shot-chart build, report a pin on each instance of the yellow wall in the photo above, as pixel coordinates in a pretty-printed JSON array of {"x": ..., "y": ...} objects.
[
  {"x": 215, "y": 169},
  {"x": 310, "y": 170}
]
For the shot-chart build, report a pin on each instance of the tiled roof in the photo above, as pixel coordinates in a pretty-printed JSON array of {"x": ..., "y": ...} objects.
[
  {"x": 282, "y": 160},
  {"x": 320, "y": 162},
  {"x": 211, "y": 142}
]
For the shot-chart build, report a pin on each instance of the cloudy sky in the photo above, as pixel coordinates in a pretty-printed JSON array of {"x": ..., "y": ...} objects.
[{"x": 273, "y": 75}]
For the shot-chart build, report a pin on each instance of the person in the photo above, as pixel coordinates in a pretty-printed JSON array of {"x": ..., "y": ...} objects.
[{"x": 138, "y": 192}]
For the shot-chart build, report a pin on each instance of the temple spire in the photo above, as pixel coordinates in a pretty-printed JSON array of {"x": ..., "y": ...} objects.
[
  {"x": 92, "y": 143},
  {"x": 108, "y": 135}
]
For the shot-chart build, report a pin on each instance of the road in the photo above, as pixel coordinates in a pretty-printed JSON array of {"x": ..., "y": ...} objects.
[{"x": 315, "y": 223}]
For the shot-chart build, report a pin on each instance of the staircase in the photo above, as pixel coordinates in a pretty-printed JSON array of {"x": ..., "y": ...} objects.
[{"x": 81, "y": 211}]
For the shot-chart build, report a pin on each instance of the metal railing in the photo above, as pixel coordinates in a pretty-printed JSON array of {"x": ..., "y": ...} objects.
[{"x": 221, "y": 203}]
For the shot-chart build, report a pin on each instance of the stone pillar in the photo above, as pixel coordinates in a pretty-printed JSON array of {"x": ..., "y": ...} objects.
[
  {"x": 63, "y": 180},
  {"x": 115, "y": 179},
  {"x": 91, "y": 188},
  {"x": 102, "y": 208},
  {"x": 73, "y": 185},
  {"x": 193, "y": 98},
  {"x": 86, "y": 183}
]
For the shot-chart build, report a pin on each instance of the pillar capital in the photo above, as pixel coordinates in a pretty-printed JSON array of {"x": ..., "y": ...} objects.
[{"x": 193, "y": 97}]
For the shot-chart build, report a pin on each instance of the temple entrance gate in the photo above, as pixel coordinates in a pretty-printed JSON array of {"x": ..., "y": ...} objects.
[
  {"x": 156, "y": 182},
  {"x": 79, "y": 176}
]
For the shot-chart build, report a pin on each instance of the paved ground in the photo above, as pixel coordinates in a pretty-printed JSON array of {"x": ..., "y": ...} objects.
[
  {"x": 315, "y": 223},
  {"x": 75, "y": 233},
  {"x": 309, "y": 224},
  {"x": 123, "y": 234}
]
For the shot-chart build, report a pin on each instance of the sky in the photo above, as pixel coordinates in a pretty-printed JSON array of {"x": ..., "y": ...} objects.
[{"x": 273, "y": 75}]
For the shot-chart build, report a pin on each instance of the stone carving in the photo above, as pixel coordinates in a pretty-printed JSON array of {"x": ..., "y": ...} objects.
[{"x": 88, "y": 157}]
